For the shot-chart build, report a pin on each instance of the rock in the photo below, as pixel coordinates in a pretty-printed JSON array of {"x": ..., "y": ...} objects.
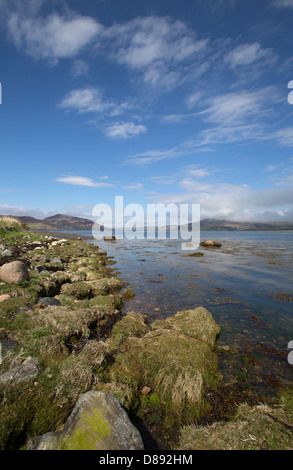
[
  {"x": 108, "y": 238},
  {"x": 98, "y": 422},
  {"x": 211, "y": 244},
  {"x": 39, "y": 269},
  {"x": 49, "y": 302},
  {"x": 8, "y": 345},
  {"x": 7, "y": 253},
  {"x": 146, "y": 390},
  {"x": 3, "y": 333},
  {"x": 14, "y": 272},
  {"x": 56, "y": 260},
  {"x": 28, "y": 370},
  {"x": 40, "y": 258},
  {"x": 4, "y": 297}
]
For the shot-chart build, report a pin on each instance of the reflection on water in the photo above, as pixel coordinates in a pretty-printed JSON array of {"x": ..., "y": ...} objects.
[{"x": 246, "y": 285}]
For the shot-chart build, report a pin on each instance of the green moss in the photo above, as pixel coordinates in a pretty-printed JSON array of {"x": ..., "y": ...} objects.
[
  {"x": 128, "y": 294},
  {"x": 155, "y": 402},
  {"x": 91, "y": 429},
  {"x": 78, "y": 290},
  {"x": 178, "y": 366}
]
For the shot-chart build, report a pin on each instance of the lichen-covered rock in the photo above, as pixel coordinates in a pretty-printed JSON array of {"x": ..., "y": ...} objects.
[
  {"x": 28, "y": 370},
  {"x": 98, "y": 422},
  {"x": 14, "y": 272}
]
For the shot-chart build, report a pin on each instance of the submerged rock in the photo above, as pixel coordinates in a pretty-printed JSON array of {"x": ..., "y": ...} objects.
[
  {"x": 211, "y": 244},
  {"x": 14, "y": 272},
  {"x": 98, "y": 422}
]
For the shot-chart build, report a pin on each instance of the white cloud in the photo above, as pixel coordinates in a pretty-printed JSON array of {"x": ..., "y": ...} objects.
[
  {"x": 283, "y": 3},
  {"x": 155, "y": 47},
  {"x": 124, "y": 130},
  {"x": 270, "y": 168},
  {"x": 134, "y": 186},
  {"x": 200, "y": 173},
  {"x": 90, "y": 100},
  {"x": 239, "y": 106},
  {"x": 53, "y": 37},
  {"x": 284, "y": 136},
  {"x": 234, "y": 202},
  {"x": 86, "y": 100},
  {"x": 248, "y": 54},
  {"x": 82, "y": 181},
  {"x": 193, "y": 99}
]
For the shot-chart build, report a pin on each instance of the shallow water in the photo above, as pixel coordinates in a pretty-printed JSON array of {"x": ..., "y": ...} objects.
[{"x": 247, "y": 285}]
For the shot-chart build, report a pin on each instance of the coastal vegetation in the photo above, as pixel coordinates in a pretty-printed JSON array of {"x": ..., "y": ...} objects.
[{"x": 64, "y": 333}]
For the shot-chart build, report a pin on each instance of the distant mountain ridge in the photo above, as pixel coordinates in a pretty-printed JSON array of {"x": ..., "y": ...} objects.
[
  {"x": 221, "y": 225},
  {"x": 56, "y": 222},
  {"x": 68, "y": 222}
]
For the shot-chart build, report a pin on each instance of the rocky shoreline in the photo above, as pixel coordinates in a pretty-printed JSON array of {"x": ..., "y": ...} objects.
[{"x": 71, "y": 358}]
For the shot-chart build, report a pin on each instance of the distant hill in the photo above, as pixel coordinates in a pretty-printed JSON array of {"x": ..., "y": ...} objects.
[
  {"x": 67, "y": 222},
  {"x": 221, "y": 225},
  {"x": 56, "y": 222}
]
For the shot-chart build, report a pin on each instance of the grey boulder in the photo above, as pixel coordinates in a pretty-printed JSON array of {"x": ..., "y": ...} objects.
[
  {"x": 28, "y": 370},
  {"x": 14, "y": 272}
]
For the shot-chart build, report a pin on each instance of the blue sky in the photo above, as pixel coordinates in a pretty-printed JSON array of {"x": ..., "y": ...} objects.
[{"x": 158, "y": 101}]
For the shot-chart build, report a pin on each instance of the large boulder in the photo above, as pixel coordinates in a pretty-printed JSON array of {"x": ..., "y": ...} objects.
[
  {"x": 98, "y": 422},
  {"x": 14, "y": 272}
]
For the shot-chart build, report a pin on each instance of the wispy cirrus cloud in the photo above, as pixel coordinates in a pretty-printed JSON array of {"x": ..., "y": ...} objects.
[
  {"x": 124, "y": 130},
  {"x": 53, "y": 37},
  {"x": 133, "y": 186},
  {"x": 159, "y": 49},
  {"x": 283, "y": 3},
  {"x": 246, "y": 55},
  {"x": 83, "y": 181},
  {"x": 90, "y": 100}
]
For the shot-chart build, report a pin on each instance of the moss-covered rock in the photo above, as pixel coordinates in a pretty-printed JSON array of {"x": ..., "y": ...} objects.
[
  {"x": 174, "y": 358},
  {"x": 97, "y": 422},
  {"x": 78, "y": 290}
]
